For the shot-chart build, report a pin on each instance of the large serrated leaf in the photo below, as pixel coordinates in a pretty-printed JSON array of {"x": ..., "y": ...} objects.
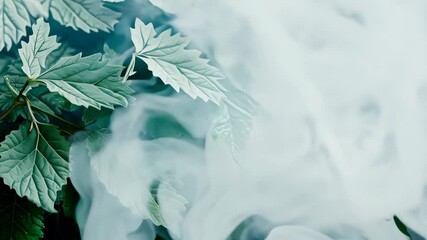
[
  {"x": 87, "y": 15},
  {"x": 87, "y": 81},
  {"x": 14, "y": 19},
  {"x": 34, "y": 53},
  {"x": 168, "y": 59},
  {"x": 19, "y": 219},
  {"x": 35, "y": 163}
]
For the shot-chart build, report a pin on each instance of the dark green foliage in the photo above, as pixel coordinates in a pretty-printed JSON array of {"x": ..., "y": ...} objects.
[
  {"x": 20, "y": 219},
  {"x": 161, "y": 125},
  {"x": 401, "y": 226}
]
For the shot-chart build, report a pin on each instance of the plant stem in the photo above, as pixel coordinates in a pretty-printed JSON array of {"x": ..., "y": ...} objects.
[
  {"x": 11, "y": 89},
  {"x": 16, "y": 102},
  {"x": 10, "y": 109},
  {"x": 58, "y": 118},
  {"x": 21, "y": 93},
  {"x": 35, "y": 122}
]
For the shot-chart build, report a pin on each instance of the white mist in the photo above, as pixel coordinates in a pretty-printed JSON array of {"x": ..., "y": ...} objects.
[{"x": 339, "y": 143}]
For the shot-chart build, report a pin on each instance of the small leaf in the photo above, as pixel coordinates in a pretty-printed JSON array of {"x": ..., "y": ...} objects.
[
  {"x": 87, "y": 81},
  {"x": 87, "y": 15},
  {"x": 401, "y": 226},
  {"x": 20, "y": 219},
  {"x": 168, "y": 59},
  {"x": 233, "y": 125},
  {"x": 35, "y": 164},
  {"x": 34, "y": 53},
  {"x": 172, "y": 205},
  {"x": 96, "y": 140}
]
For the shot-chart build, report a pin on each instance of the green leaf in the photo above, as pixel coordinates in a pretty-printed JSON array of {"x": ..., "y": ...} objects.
[
  {"x": 96, "y": 140},
  {"x": 168, "y": 59},
  {"x": 19, "y": 218},
  {"x": 140, "y": 201},
  {"x": 36, "y": 9},
  {"x": 63, "y": 51},
  {"x": 233, "y": 125},
  {"x": 402, "y": 227},
  {"x": 97, "y": 118},
  {"x": 108, "y": 52},
  {"x": 14, "y": 19},
  {"x": 35, "y": 163},
  {"x": 160, "y": 125},
  {"x": 34, "y": 53},
  {"x": 40, "y": 97},
  {"x": 150, "y": 198},
  {"x": 16, "y": 76},
  {"x": 6, "y": 97},
  {"x": 4, "y": 63},
  {"x": 253, "y": 227},
  {"x": 69, "y": 198},
  {"x": 87, "y": 15},
  {"x": 47, "y": 101},
  {"x": 87, "y": 81},
  {"x": 171, "y": 205}
]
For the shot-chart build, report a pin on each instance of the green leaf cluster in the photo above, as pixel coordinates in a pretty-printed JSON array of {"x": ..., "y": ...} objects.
[
  {"x": 37, "y": 90},
  {"x": 48, "y": 95}
]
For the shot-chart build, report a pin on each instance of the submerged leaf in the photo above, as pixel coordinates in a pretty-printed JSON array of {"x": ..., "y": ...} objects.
[
  {"x": 35, "y": 163},
  {"x": 182, "y": 68},
  {"x": 233, "y": 125}
]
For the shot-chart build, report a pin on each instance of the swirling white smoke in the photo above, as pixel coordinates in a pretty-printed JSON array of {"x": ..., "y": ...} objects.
[{"x": 339, "y": 143}]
